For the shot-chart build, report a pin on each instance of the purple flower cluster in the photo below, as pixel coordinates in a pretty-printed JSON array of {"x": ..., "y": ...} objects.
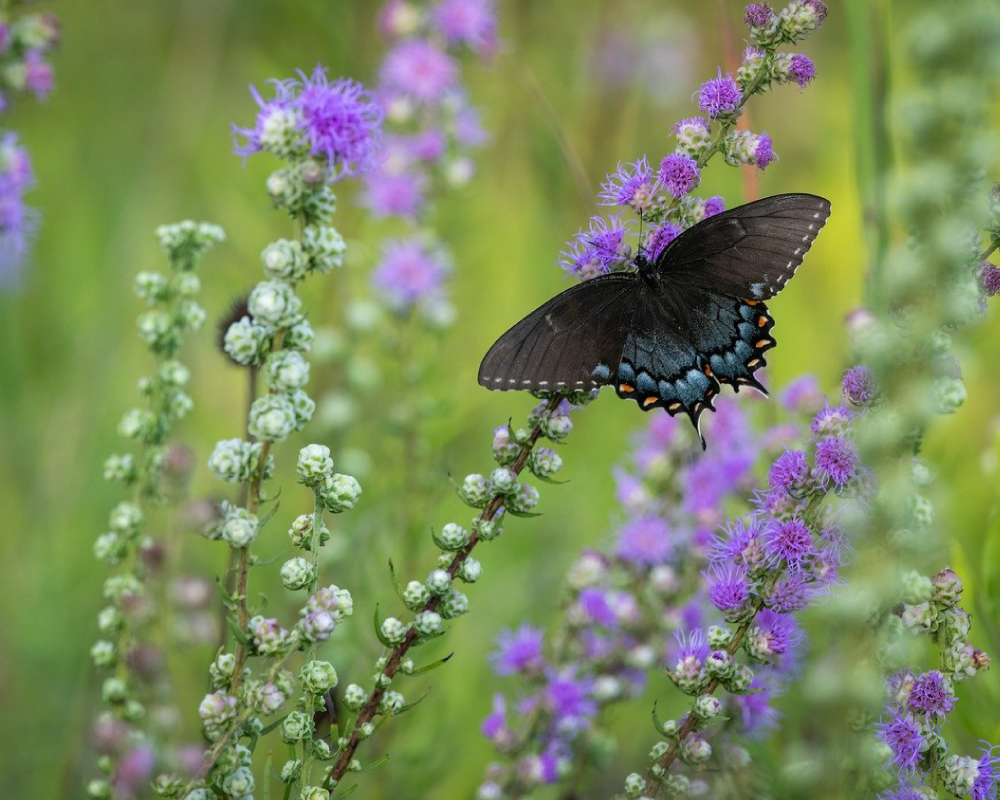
[
  {"x": 410, "y": 273},
  {"x": 662, "y": 197},
  {"x": 989, "y": 279},
  {"x": 25, "y": 44},
  {"x": 337, "y": 122}
]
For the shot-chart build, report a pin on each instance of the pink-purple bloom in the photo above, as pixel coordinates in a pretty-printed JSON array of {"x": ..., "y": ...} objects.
[
  {"x": 837, "y": 459},
  {"x": 39, "y": 78},
  {"x": 409, "y": 272},
  {"x": 802, "y": 394},
  {"x": 17, "y": 223},
  {"x": 598, "y": 250},
  {"x": 417, "y": 69},
  {"x": 630, "y": 186},
  {"x": 729, "y": 589},
  {"x": 858, "y": 385},
  {"x": 989, "y": 279},
  {"x": 789, "y": 469},
  {"x": 658, "y": 239},
  {"x": 518, "y": 651},
  {"x": 902, "y": 735},
  {"x": 645, "y": 541},
  {"x": 984, "y": 787},
  {"x": 758, "y": 15},
  {"x": 678, "y": 174},
  {"x": 790, "y": 541},
  {"x": 801, "y": 69},
  {"x": 714, "y": 205},
  {"x": 931, "y": 695},
  {"x": 763, "y": 153},
  {"x": 469, "y": 22},
  {"x": 394, "y": 194},
  {"x": 719, "y": 96}
]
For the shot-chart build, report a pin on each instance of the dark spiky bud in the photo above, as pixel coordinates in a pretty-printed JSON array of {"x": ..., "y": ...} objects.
[{"x": 238, "y": 309}]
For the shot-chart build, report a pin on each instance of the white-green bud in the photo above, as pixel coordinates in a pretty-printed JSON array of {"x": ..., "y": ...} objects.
[
  {"x": 187, "y": 284},
  {"x": 340, "y": 492},
  {"x": 502, "y": 481},
  {"x": 246, "y": 340},
  {"x": 151, "y": 286},
  {"x": 325, "y": 247},
  {"x": 556, "y": 427},
  {"x": 439, "y": 582},
  {"x": 318, "y": 677},
  {"x": 239, "y": 527},
  {"x": 415, "y": 595},
  {"x": 301, "y": 532},
  {"x": 303, "y": 406},
  {"x": 707, "y": 706},
  {"x": 453, "y": 536},
  {"x": 524, "y": 498},
  {"x": 315, "y": 792},
  {"x": 221, "y": 670},
  {"x": 137, "y": 423},
  {"x": 109, "y": 620},
  {"x": 488, "y": 529},
  {"x": 191, "y": 315},
  {"x": 235, "y": 460},
  {"x": 394, "y": 631},
  {"x": 427, "y": 623},
  {"x": 272, "y": 417},
  {"x": 470, "y": 570},
  {"x": 474, "y": 490},
  {"x": 635, "y": 785},
  {"x": 156, "y": 328},
  {"x": 695, "y": 750},
  {"x": 120, "y": 467},
  {"x": 126, "y": 517},
  {"x": 354, "y": 697},
  {"x": 297, "y": 573},
  {"x": 109, "y": 548},
  {"x": 718, "y": 637},
  {"x": 286, "y": 371},
  {"x": 291, "y": 770},
  {"x": 104, "y": 653},
  {"x": 238, "y": 783},
  {"x": 296, "y": 727},
  {"x": 274, "y": 303},
  {"x": 114, "y": 690},
  {"x": 285, "y": 259},
  {"x": 391, "y": 703},
  {"x": 454, "y": 604},
  {"x": 320, "y": 205},
  {"x": 100, "y": 789},
  {"x": 300, "y": 336},
  {"x": 544, "y": 462},
  {"x": 314, "y": 464}
]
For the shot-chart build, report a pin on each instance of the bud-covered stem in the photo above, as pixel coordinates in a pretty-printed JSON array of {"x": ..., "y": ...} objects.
[{"x": 398, "y": 652}]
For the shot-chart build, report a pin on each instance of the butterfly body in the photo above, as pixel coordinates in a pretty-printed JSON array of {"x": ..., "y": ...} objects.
[{"x": 669, "y": 333}]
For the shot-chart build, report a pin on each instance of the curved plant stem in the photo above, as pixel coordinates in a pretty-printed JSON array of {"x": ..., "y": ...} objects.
[{"x": 398, "y": 653}]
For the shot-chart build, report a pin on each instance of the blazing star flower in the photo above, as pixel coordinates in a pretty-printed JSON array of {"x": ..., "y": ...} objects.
[
  {"x": 758, "y": 15},
  {"x": 985, "y": 785},
  {"x": 518, "y": 651},
  {"x": 659, "y": 238},
  {"x": 757, "y": 716},
  {"x": 802, "y": 394},
  {"x": 989, "y": 279},
  {"x": 931, "y": 694},
  {"x": 859, "y": 385},
  {"x": 741, "y": 543},
  {"x": 801, "y": 69},
  {"x": 902, "y": 734},
  {"x": 17, "y": 223},
  {"x": 832, "y": 419},
  {"x": 336, "y": 121},
  {"x": 788, "y": 469},
  {"x": 468, "y": 128},
  {"x": 594, "y": 604},
  {"x": 644, "y": 542},
  {"x": 775, "y": 634},
  {"x": 714, "y": 205},
  {"x": 837, "y": 459},
  {"x": 599, "y": 249},
  {"x": 469, "y": 22},
  {"x": 763, "y": 153},
  {"x": 133, "y": 771},
  {"x": 719, "y": 96},
  {"x": 38, "y": 75},
  {"x": 394, "y": 194},
  {"x": 790, "y": 541},
  {"x": 494, "y": 727},
  {"x": 792, "y": 592},
  {"x": 728, "y": 589},
  {"x": 569, "y": 699},
  {"x": 418, "y": 70},
  {"x": 409, "y": 272},
  {"x": 678, "y": 174},
  {"x": 902, "y": 793},
  {"x": 630, "y": 186}
]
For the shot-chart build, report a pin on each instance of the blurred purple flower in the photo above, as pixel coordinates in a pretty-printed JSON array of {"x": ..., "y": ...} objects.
[
  {"x": 469, "y": 22},
  {"x": 518, "y": 651},
  {"x": 133, "y": 772},
  {"x": 645, "y": 541},
  {"x": 409, "y": 272},
  {"x": 569, "y": 698},
  {"x": 17, "y": 223},
  {"x": 858, "y": 385},
  {"x": 394, "y": 194},
  {"x": 594, "y": 604},
  {"x": 468, "y": 128},
  {"x": 38, "y": 75},
  {"x": 802, "y": 394},
  {"x": 417, "y": 69},
  {"x": 985, "y": 785},
  {"x": 832, "y": 419},
  {"x": 756, "y": 713},
  {"x": 494, "y": 727}
]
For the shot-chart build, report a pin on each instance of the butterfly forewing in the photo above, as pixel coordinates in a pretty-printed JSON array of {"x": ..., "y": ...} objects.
[
  {"x": 750, "y": 251},
  {"x": 572, "y": 342}
]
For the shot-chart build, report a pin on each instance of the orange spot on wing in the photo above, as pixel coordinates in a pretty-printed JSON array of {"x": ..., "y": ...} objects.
[
  {"x": 708, "y": 371},
  {"x": 649, "y": 401},
  {"x": 674, "y": 406},
  {"x": 625, "y": 388},
  {"x": 752, "y": 302},
  {"x": 762, "y": 343},
  {"x": 762, "y": 321},
  {"x": 753, "y": 362}
]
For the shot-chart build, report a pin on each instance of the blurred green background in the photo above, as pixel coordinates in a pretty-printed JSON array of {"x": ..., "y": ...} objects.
[{"x": 137, "y": 134}]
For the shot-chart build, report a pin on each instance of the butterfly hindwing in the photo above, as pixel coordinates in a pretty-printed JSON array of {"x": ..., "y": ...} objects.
[
  {"x": 572, "y": 342},
  {"x": 750, "y": 251}
]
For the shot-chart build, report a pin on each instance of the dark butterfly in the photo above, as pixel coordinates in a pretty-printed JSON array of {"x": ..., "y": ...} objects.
[{"x": 667, "y": 334}]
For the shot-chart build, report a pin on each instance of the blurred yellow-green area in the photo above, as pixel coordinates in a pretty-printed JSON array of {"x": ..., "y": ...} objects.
[{"x": 137, "y": 133}]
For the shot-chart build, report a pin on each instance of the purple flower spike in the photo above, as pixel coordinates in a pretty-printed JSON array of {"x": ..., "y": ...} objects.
[
  {"x": 518, "y": 651},
  {"x": 989, "y": 279},
  {"x": 801, "y": 69},
  {"x": 832, "y": 419},
  {"x": 790, "y": 541},
  {"x": 678, "y": 174},
  {"x": 630, "y": 186},
  {"x": 598, "y": 250},
  {"x": 931, "y": 695},
  {"x": 837, "y": 459},
  {"x": 758, "y": 15},
  {"x": 719, "y": 96},
  {"x": 901, "y": 733},
  {"x": 659, "y": 238},
  {"x": 859, "y": 385},
  {"x": 792, "y": 592},
  {"x": 763, "y": 153},
  {"x": 419, "y": 70}
]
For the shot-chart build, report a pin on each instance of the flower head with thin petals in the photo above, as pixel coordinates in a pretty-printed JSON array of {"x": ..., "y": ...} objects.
[
  {"x": 630, "y": 186},
  {"x": 987, "y": 780},
  {"x": 788, "y": 470},
  {"x": 678, "y": 174},
  {"x": 858, "y": 385},
  {"x": 719, "y": 96},
  {"x": 902, "y": 735},
  {"x": 931, "y": 694},
  {"x": 801, "y": 69},
  {"x": 659, "y": 238},
  {"x": 714, "y": 205},
  {"x": 989, "y": 279},
  {"x": 728, "y": 588},
  {"x": 837, "y": 459},
  {"x": 598, "y": 250},
  {"x": 763, "y": 153},
  {"x": 758, "y": 15},
  {"x": 790, "y": 541},
  {"x": 741, "y": 543}
]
